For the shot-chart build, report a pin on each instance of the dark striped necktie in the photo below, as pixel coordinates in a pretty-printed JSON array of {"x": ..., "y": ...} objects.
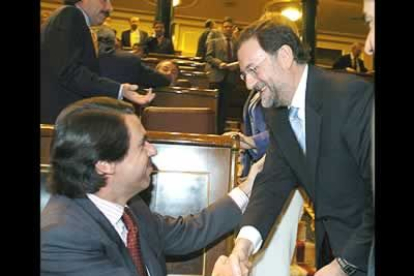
[{"x": 133, "y": 242}]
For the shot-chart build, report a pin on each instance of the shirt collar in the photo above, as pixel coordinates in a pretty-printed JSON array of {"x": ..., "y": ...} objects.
[
  {"x": 88, "y": 22},
  {"x": 112, "y": 211},
  {"x": 300, "y": 93}
]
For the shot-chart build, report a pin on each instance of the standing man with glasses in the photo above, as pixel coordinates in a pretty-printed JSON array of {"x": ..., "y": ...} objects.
[
  {"x": 69, "y": 63},
  {"x": 320, "y": 139}
]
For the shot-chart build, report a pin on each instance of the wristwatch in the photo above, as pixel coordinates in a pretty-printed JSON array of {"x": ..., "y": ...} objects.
[{"x": 348, "y": 268}]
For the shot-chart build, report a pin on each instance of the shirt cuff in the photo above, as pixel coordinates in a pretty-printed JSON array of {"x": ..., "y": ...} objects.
[
  {"x": 240, "y": 198},
  {"x": 252, "y": 234},
  {"x": 120, "y": 96}
]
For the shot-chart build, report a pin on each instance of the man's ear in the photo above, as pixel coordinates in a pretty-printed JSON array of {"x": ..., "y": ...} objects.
[
  {"x": 105, "y": 167},
  {"x": 285, "y": 55}
]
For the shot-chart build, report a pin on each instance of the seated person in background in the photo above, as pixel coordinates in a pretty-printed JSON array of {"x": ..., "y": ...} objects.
[
  {"x": 100, "y": 159},
  {"x": 159, "y": 43},
  {"x": 170, "y": 69},
  {"x": 123, "y": 66},
  {"x": 352, "y": 61}
]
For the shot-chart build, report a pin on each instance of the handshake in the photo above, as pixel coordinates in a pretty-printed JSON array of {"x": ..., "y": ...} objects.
[{"x": 237, "y": 264}]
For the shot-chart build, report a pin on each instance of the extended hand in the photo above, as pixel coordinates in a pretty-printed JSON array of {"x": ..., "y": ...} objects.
[
  {"x": 247, "y": 184},
  {"x": 129, "y": 92},
  {"x": 239, "y": 257},
  {"x": 222, "y": 267},
  {"x": 332, "y": 269},
  {"x": 246, "y": 142}
]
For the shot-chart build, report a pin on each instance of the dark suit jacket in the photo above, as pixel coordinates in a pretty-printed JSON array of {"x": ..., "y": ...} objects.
[
  {"x": 126, "y": 38},
  {"x": 165, "y": 47},
  {"x": 125, "y": 67},
  {"x": 69, "y": 67},
  {"x": 216, "y": 54},
  {"x": 346, "y": 61},
  {"x": 78, "y": 240},
  {"x": 336, "y": 170},
  {"x": 201, "y": 46}
]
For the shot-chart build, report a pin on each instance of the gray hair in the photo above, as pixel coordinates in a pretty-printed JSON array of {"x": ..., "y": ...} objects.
[{"x": 106, "y": 40}]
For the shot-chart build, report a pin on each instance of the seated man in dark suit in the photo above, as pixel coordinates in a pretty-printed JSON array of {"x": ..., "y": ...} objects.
[
  {"x": 123, "y": 66},
  {"x": 352, "y": 61},
  {"x": 100, "y": 159}
]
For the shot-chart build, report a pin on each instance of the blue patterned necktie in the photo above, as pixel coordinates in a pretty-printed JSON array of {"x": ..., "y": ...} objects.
[{"x": 297, "y": 127}]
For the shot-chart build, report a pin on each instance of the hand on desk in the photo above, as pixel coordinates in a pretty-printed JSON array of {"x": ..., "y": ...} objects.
[
  {"x": 246, "y": 142},
  {"x": 129, "y": 92}
]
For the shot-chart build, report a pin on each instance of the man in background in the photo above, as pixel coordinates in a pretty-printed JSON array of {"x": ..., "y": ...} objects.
[
  {"x": 222, "y": 68},
  {"x": 159, "y": 43},
  {"x": 69, "y": 64},
  {"x": 352, "y": 61},
  {"x": 133, "y": 35},
  {"x": 123, "y": 66},
  {"x": 201, "y": 46}
]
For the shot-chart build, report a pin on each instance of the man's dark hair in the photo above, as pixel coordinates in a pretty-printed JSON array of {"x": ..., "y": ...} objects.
[
  {"x": 70, "y": 2},
  {"x": 86, "y": 132},
  {"x": 209, "y": 23},
  {"x": 228, "y": 19},
  {"x": 106, "y": 40},
  {"x": 272, "y": 35},
  {"x": 158, "y": 22}
]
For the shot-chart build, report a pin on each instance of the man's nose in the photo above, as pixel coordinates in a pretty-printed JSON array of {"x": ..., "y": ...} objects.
[{"x": 250, "y": 81}]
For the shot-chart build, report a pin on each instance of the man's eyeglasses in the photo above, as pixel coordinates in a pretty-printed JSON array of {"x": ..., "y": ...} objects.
[{"x": 252, "y": 70}]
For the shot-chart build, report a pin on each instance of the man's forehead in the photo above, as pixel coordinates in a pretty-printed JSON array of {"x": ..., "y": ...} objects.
[{"x": 250, "y": 51}]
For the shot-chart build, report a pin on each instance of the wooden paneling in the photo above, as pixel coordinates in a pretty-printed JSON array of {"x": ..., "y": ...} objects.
[{"x": 193, "y": 171}]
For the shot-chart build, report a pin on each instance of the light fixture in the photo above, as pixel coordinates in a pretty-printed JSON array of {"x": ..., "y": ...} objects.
[
  {"x": 292, "y": 13},
  {"x": 176, "y": 3}
]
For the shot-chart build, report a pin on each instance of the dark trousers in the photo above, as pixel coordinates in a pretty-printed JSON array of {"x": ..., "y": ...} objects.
[{"x": 325, "y": 256}]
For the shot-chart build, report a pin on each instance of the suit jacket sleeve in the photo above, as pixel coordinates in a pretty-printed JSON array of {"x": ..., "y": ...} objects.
[
  {"x": 270, "y": 190},
  {"x": 148, "y": 77},
  {"x": 67, "y": 57},
  {"x": 211, "y": 53},
  {"x": 190, "y": 233},
  {"x": 261, "y": 140},
  {"x": 357, "y": 134}
]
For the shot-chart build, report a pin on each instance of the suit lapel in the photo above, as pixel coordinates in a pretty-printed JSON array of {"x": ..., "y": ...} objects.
[
  {"x": 287, "y": 143},
  {"x": 107, "y": 227},
  {"x": 313, "y": 122}
]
